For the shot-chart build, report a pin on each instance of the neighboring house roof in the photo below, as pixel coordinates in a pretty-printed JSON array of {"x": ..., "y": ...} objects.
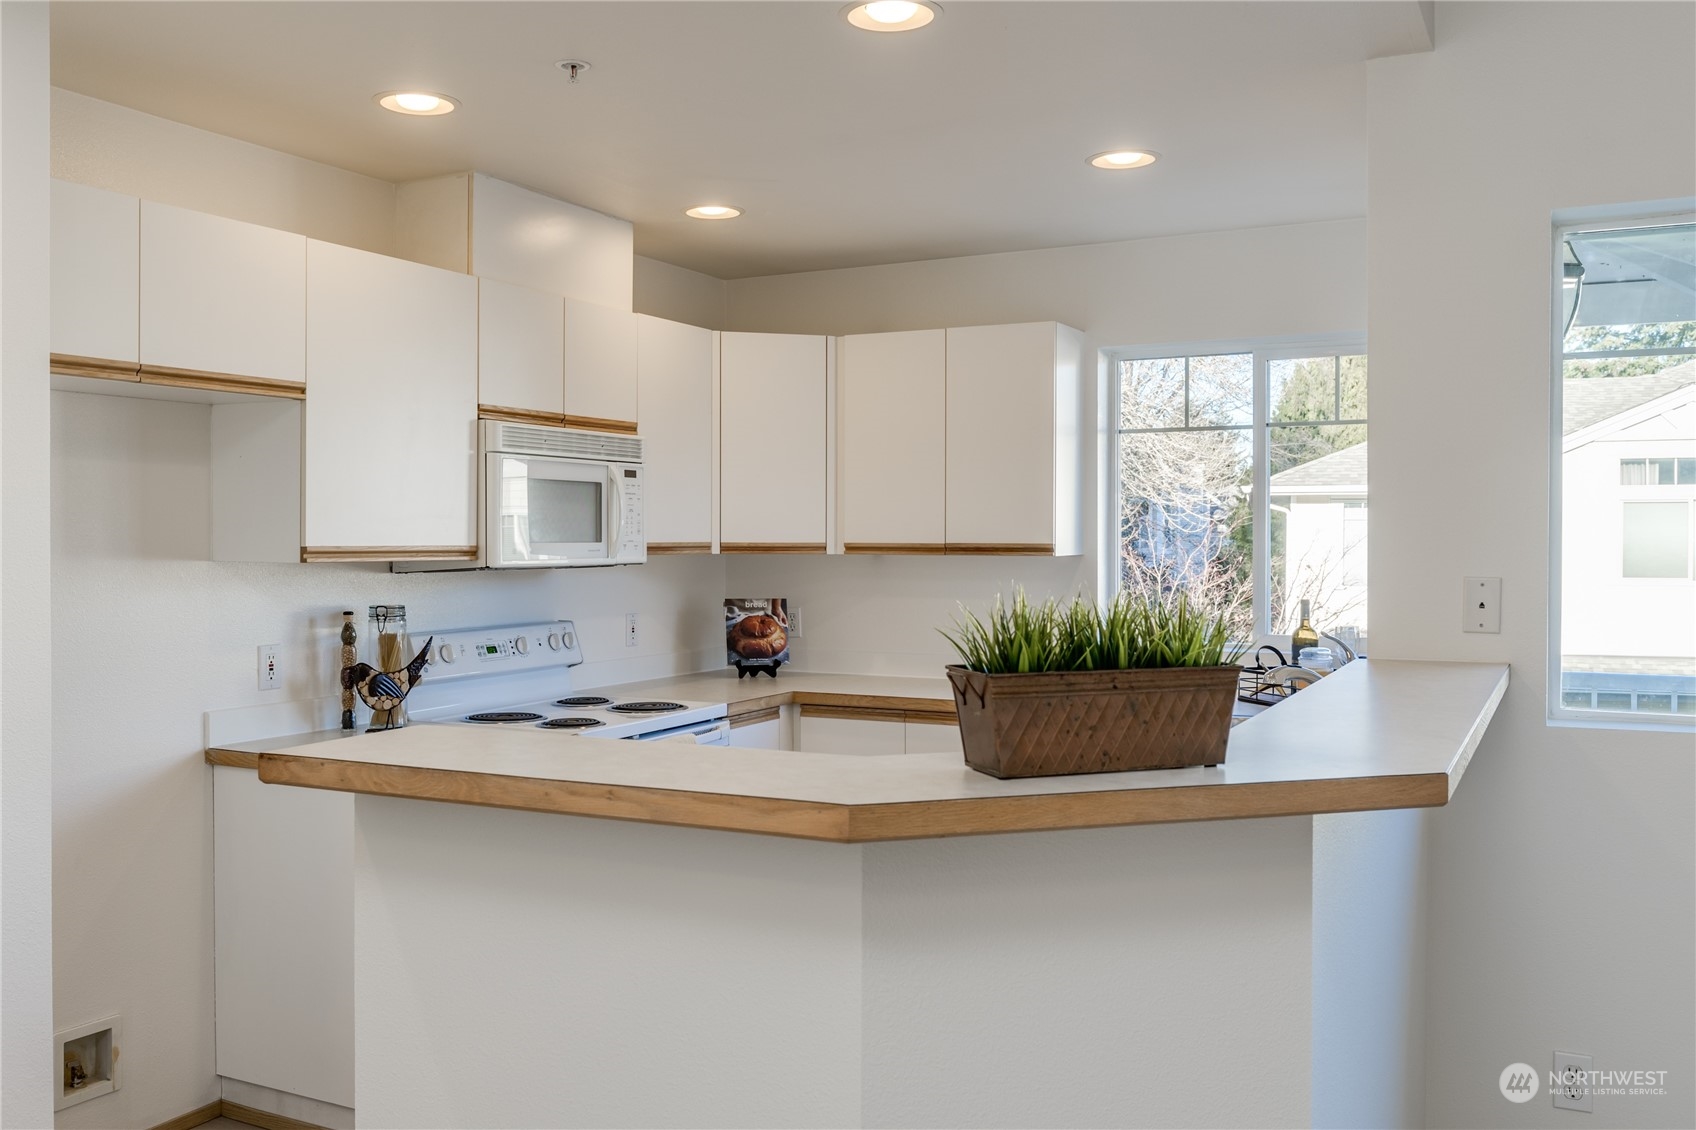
[
  {"x": 1341, "y": 472},
  {"x": 1590, "y": 401}
]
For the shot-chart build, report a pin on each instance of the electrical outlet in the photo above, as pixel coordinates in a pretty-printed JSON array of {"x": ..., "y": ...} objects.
[
  {"x": 795, "y": 623},
  {"x": 630, "y": 629},
  {"x": 1481, "y": 604},
  {"x": 270, "y": 668},
  {"x": 1570, "y": 1087}
]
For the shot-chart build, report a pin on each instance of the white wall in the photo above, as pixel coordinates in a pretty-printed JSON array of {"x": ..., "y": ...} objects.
[
  {"x": 124, "y": 150},
  {"x": 1563, "y": 891},
  {"x": 677, "y": 293},
  {"x": 26, "y": 775},
  {"x": 1299, "y": 281},
  {"x": 164, "y": 635}
]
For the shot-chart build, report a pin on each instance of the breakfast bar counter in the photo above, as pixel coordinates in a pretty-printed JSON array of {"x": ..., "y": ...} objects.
[
  {"x": 702, "y": 955},
  {"x": 1379, "y": 734}
]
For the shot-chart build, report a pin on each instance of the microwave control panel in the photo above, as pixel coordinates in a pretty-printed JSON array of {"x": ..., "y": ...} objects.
[{"x": 632, "y": 538}]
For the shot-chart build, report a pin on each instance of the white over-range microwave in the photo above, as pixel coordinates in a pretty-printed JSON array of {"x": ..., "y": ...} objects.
[{"x": 554, "y": 498}]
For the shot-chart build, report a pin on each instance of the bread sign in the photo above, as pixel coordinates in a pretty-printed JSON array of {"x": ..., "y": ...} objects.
[{"x": 756, "y": 633}]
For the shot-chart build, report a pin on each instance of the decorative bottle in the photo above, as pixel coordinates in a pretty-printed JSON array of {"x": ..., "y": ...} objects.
[
  {"x": 388, "y": 648},
  {"x": 1304, "y": 635}
]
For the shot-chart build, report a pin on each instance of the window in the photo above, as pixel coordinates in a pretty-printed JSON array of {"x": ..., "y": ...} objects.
[
  {"x": 1242, "y": 482},
  {"x": 1625, "y": 482}
]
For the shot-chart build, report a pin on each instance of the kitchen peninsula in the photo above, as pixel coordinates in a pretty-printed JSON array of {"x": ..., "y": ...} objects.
[{"x": 514, "y": 968}]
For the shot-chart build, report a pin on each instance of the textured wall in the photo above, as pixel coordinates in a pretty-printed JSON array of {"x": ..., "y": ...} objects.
[
  {"x": 1563, "y": 892},
  {"x": 25, "y": 722}
]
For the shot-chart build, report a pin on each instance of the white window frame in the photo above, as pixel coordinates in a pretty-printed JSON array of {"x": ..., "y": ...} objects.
[
  {"x": 1264, "y": 351},
  {"x": 1558, "y": 713}
]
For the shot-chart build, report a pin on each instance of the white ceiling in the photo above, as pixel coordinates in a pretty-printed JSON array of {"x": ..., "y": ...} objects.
[{"x": 844, "y": 147}]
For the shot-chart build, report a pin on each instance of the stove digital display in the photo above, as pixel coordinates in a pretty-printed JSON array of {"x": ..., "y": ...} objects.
[{"x": 498, "y": 650}]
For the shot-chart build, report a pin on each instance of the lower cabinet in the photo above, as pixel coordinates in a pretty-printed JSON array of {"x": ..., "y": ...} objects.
[
  {"x": 823, "y": 733},
  {"x": 283, "y": 924},
  {"x": 933, "y": 737},
  {"x": 767, "y": 733}
]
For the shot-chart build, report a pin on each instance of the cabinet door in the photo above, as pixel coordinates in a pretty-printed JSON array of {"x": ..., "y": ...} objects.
[
  {"x": 95, "y": 283},
  {"x": 890, "y": 395},
  {"x": 674, "y": 382},
  {"x": 757, "y": 735},
  {"x": 600, "y": 367},
  {"x": 222, "y": 297},
  {"x": 816, "y": 733},
  {"x": 1001, "y": 438},
  {"x": 932, "y": 737},
  {"x": 520, "y": 350},
  {"x": 773, "y": 456},
  {"x": 389, "y": 458}
]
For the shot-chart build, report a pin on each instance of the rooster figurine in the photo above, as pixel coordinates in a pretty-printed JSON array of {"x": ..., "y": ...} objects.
[{"x": 384, "y": 690}]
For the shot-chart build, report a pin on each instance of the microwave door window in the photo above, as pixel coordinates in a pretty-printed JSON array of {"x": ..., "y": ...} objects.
[{"x": 564, "y": 512}]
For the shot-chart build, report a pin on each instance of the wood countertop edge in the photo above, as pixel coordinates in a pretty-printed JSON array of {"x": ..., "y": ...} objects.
[{"x": 862, "y": 823}]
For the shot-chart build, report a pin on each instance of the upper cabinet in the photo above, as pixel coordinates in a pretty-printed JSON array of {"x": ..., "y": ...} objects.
[
  {"x": 774, "y": 443},
  {"x": 223, "y": 303},
  {"x": 891, "y": 416},
  {"x": 520, "y": 353},
  {"x": 674, "y": 365},
  {"x": 600, "y": 367},
  {"x": 96, "y": 240},
  {"x": 389, "y": 452},
  {"x": 1015, "y": 451}
]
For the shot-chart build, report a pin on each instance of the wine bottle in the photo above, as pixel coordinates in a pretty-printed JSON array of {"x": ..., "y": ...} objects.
[{"x": 1304, "y": 636}]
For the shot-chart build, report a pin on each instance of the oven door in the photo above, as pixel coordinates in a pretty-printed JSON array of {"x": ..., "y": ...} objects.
[{"x": 542, "y": 511}]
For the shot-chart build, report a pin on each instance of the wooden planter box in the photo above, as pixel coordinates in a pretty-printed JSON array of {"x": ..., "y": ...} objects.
[{"x": 1046, "y": 724}]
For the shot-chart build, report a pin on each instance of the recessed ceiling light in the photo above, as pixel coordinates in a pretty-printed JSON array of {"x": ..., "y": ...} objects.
[
  {"x": 713, "y": 212},
  {"x": 1124, "y": 159},
  {"x": 419, "y": 103},
  {"x": 892, "y": 15}
]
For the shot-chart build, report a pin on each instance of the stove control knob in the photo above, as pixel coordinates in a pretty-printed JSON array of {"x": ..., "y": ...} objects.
[
  {"x": 522, "y": 643},
  {"x": 553, "y": 641},
  {"x": 568, "y": 639},
  {"x": 446, "y": 652}
]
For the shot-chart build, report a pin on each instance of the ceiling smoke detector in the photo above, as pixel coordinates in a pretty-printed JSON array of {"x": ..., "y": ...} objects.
[{"x": 573, "y": 68}]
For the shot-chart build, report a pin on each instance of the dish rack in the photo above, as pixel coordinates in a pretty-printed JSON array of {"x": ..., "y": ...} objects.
[{"x": 1253, "y": 684}]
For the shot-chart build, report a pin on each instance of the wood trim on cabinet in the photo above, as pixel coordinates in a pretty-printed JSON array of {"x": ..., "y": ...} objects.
[
  {"x": 71, "y": 365},
  {"x": 771, "y": 547},
  {"x": 932, "y": 717},
  {"x": 520, "y": 415},
  {"x": 222, "y": 382},
  {"x": 996, "y": 549},
  {"x": 755, "y": 717},
  {"x": 672, "y": 547},
  {"x": 263, "y": 1119},
  {"x": 596, "y": 424},
  {"x": 942, "y": 715},
  {"x": 234, "y": 758},
  {"x": 748, "y": 706},
  {"x": 388, "y": 553},
  {"x": 197, "y": 1117},
  {"x": 910, "y": 548}
]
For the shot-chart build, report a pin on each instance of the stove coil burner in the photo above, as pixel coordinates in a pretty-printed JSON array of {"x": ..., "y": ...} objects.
[
  {"x": 582, "y": 700},
  {"x": 571, "y": 723},
  {"x": 646, "y": 707},
  {"x": 504, "y": 716}
]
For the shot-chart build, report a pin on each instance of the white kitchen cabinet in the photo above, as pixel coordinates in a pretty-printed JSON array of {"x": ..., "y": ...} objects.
[
  {"x": 826, "y": 732},
  {"x": 774, "y": 443},
  {"x": 768, "y": 733},
  {"x": 96, "y": 298},
  {"x": 674, "y": 382},
  {"x": 600, "y": 367},
  {"x": 891, "y": 418},
  {"x": 520, "y": 351},
  {"x": 389, "y": 462},
  {"x": 221, "y": 297},
  {"x": 283, "y": 918},
  {"x": 932, "y": 737},
  {"x": 1015, "y": 440}
]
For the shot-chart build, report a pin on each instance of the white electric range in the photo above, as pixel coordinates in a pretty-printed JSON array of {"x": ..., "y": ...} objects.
[{"x": 520, "y": 675}]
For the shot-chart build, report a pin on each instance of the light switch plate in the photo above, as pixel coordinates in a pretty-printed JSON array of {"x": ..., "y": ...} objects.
[{"x": 1481, "y": 604}]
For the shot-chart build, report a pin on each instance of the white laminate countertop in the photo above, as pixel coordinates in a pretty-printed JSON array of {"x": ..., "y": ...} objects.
[{"x": 1378, "y": 734}]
